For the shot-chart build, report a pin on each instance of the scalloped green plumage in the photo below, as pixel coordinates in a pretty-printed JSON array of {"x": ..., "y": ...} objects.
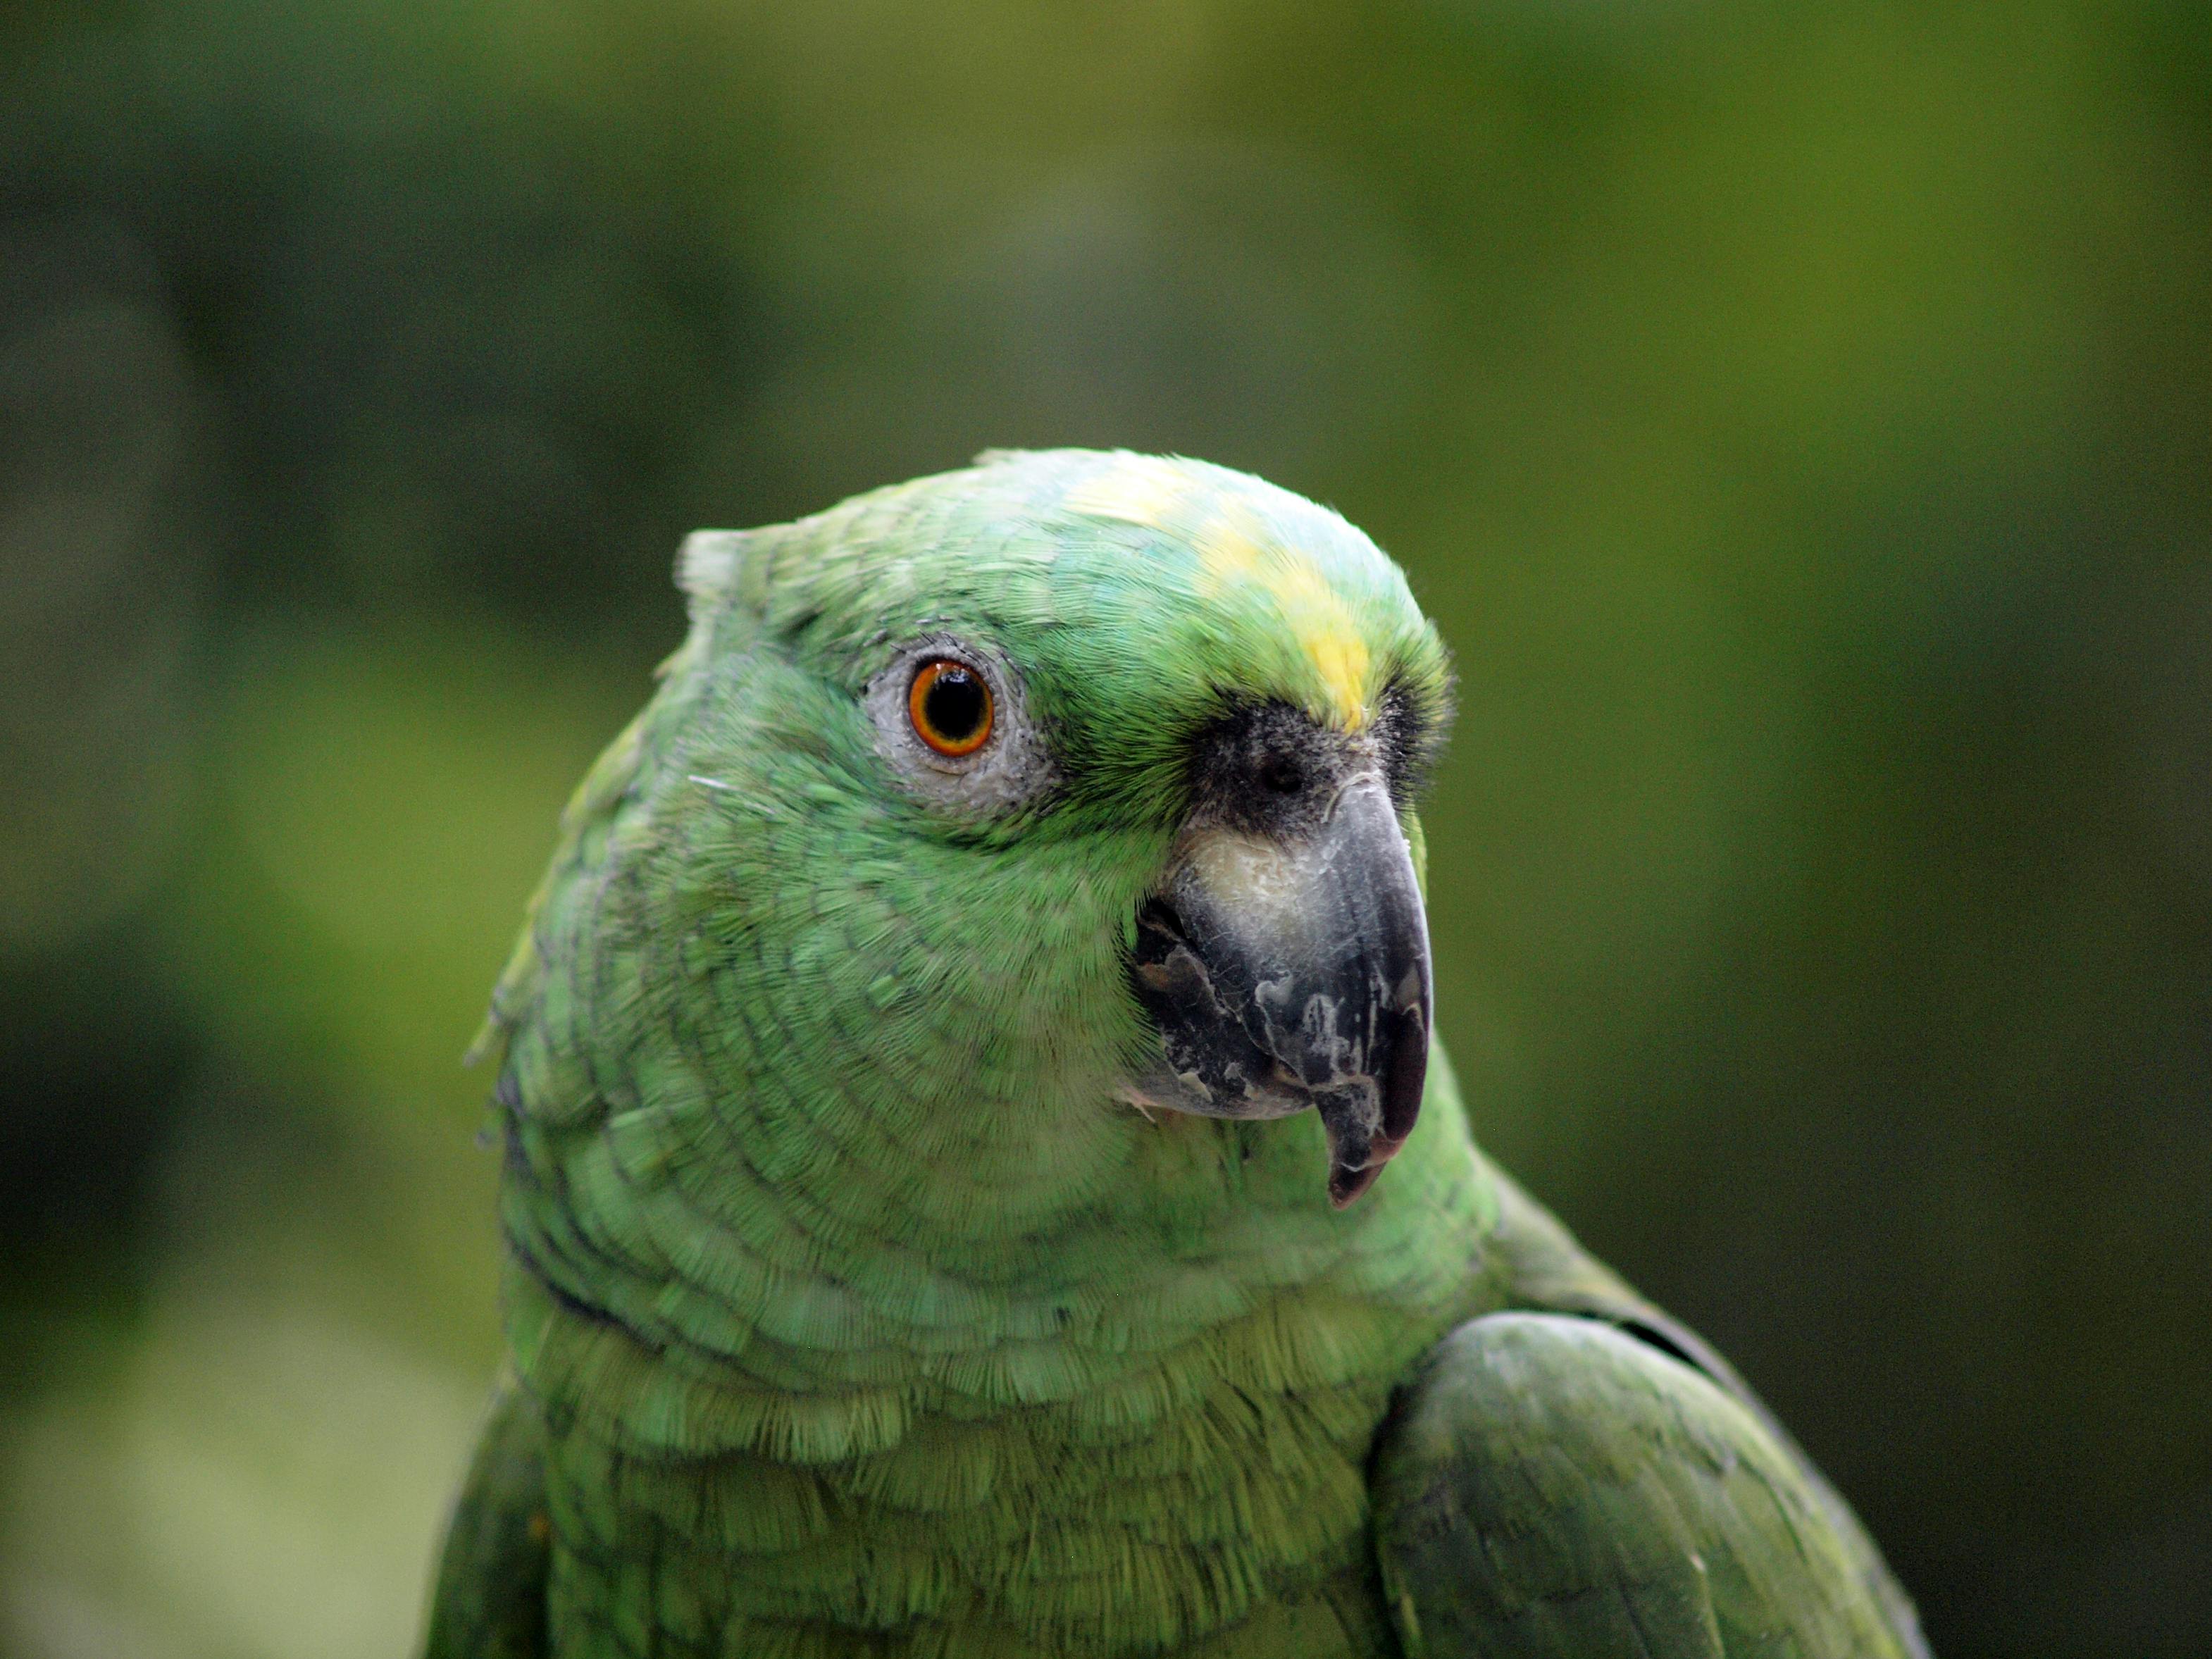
[{"x": 855, "y": 1310}]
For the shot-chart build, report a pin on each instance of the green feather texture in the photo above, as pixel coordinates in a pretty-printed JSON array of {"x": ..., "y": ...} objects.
[{"x": 857, "y": 1304}]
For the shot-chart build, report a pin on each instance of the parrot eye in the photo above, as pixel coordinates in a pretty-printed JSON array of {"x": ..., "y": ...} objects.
[
  {"x": 950, "y": 704},
  {"x": 951, "y": 719}
]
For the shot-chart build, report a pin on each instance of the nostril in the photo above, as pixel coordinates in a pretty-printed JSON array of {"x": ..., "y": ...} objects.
[{"x": 1282, "y": 776}]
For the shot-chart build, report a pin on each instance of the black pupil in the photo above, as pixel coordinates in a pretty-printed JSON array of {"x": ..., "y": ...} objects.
[{"x": 954, "y": 703}]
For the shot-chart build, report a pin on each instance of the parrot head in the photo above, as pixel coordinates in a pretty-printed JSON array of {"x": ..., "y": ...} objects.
[{"x": 1084, "y": 778}]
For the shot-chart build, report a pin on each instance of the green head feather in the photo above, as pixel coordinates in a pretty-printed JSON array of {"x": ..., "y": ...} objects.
[
  {"x": 977, "y": 946},
  {"x": 1138, "y": 597}
]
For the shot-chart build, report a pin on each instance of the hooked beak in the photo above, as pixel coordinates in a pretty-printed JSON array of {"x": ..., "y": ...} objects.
[{"x": 1285, "y": 972}]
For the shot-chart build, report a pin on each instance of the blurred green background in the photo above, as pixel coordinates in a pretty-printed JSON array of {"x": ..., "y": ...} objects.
[{"x": 1798, "y": 418}]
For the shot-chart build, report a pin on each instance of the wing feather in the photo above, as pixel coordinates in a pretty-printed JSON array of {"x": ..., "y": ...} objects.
[
  {"x": 489, "y": 1601},
  {"x": 1581, "y": 1477}
]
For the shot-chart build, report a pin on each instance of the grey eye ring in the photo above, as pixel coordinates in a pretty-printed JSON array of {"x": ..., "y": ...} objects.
[{"x": 951, "y": 717}]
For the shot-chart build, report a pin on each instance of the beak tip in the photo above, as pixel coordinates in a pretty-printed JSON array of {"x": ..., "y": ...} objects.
[
  {"x": 1364, "y": 1136},
  {"x": 1347, "y": 1181}
]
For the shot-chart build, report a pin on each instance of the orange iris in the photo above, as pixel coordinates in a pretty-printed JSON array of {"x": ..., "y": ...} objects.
[{"x": 950, "y": 704}]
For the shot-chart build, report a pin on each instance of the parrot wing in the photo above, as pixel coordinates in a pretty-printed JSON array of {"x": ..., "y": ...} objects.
[
  {"x": 1580, "y": 1477},
  {"x": 489, "y": 1601}
]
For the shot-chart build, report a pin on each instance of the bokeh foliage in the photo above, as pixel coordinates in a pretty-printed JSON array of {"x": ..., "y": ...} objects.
[{"x": 1798, "y": 418}]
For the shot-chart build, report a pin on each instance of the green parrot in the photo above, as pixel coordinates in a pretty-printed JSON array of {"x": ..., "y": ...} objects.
[{"x": 979, "y": 1180}]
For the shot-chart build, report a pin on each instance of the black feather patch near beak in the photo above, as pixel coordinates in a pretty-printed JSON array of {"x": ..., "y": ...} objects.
[{"x": 1290, "y": 970}]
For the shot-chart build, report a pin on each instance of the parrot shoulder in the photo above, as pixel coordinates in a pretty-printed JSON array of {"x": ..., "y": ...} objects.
[
  {"x": 1579, "y": 1475},
  {"x": 489, "y": 1598}
]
